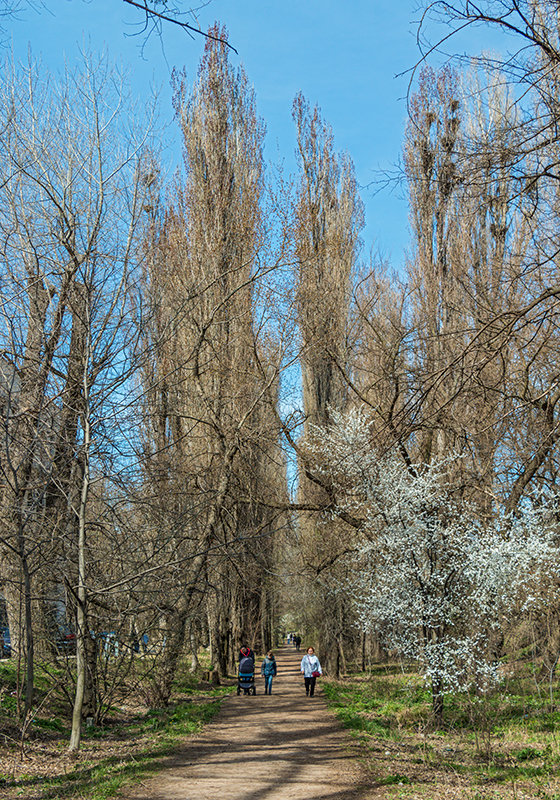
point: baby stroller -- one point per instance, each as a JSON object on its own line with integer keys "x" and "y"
{"x": 246, "y": 676}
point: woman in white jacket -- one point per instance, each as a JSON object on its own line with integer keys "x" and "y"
{"x": 311, "y": 669}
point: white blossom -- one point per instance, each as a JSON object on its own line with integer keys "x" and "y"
{"x": 428, "y": 575}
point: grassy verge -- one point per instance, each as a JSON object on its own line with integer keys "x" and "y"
{"x": 503, "y": 746}
{"x": 159, "y": 731}
{"x": 131, "y": 744}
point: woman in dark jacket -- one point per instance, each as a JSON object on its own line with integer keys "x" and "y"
{"x": 246, "y": 652}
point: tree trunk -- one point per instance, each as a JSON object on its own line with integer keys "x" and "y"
{"x": 217, "y": 636}
{"x": 437, "y": 701}
{"x": 175, "y": 639}
{"x": 91, "y": 707}
{"x": 194, "y": 648}
{"x": 81, "y": 616}
{"x": 29, "y": 646}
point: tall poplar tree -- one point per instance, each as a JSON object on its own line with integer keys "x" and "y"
{"x": 328, "y": 219}
{"x": 213, "y": 437}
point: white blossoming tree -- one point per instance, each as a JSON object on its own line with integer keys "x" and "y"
{"x": 429, "y": 575}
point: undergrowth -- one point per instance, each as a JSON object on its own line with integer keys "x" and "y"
{"x": 162, "y": 730}
{"x": 129, "y": 745}
{"x": 506, "y": 742}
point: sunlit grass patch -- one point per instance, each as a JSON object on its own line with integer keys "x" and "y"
{"x": 503, "y": 740}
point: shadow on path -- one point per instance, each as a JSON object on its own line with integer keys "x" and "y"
{"x": 283, "y": 746}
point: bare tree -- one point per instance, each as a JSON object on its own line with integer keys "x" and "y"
{"x": 207, "y": 389}
{"x": 328, "y": 219}
{"x": 70, "y": 211}
{"x": 503, "y": 249}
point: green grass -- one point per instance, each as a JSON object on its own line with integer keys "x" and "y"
{"x": 375, "y": 706}
{"x": 395, "y": 779}
{"x": 496, "y": 741}
{"x": 54, "y": 724}
{"x": 164, "y": 728}
{"x": 8, "y": 672}
{"x": 101, "y": 776}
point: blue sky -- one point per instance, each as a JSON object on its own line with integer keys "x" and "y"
{"x": 343, "y": 56}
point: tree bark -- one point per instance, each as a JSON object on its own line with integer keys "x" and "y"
{"x": 81, "y": 594}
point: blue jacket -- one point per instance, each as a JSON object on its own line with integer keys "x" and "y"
{"x": 268, "y": 667}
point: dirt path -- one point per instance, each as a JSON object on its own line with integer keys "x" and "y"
{"x": 283, "y": 746}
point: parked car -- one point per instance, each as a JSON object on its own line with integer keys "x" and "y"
{"x": 65, "y": 640}
{"x": 5, "y": 641}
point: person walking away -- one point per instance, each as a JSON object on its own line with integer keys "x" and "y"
{"x": 311, "y": 669}
{"x": 297, "y": 641}
{"x": 268, "y": 671}
{"x": 246, "y": 652}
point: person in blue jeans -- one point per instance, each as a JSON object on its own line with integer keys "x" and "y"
{"x": 268, "y": 671}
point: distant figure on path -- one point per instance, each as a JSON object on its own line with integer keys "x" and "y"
{"x": 268, "y": 671}
{"x": 311, "y": 669}
{"x": 297, "y": 641}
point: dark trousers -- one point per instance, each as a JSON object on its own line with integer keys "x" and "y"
{"x": 310, "y": 686}
{"x": 268, "y": 684}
